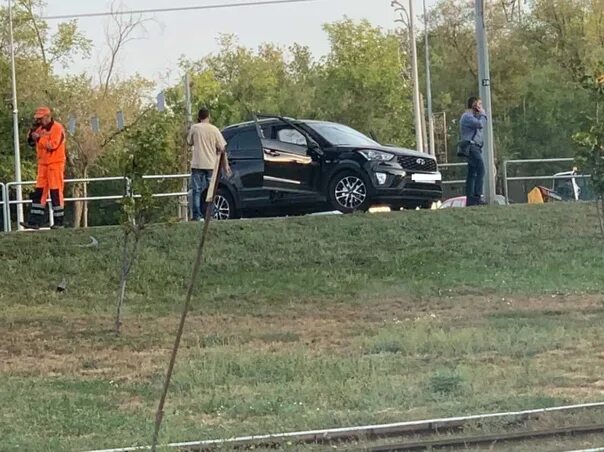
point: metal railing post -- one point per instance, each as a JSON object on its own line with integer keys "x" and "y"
{"x": 9, "y": 221}
{"x": 5, "y": 219}
{"x": 506, "y": 190}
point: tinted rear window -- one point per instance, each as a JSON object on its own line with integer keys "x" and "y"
{"x": 245, "y": 144}
{"x": 243, "y": 141}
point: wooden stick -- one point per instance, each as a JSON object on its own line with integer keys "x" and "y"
{"x": 192, "y": 285}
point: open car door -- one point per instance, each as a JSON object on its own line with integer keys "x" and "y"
{"x": 290, "y": 156}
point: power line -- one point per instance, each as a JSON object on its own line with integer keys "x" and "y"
{"x": 183, "y": 8}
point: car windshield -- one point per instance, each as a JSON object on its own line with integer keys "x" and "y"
{"x": 340, "y": 135}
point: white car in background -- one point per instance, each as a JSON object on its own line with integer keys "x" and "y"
{"x": 570, "y": 187}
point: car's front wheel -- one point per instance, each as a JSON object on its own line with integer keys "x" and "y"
{"x": 349, "y": 192}
{"x": 224, "y": 206}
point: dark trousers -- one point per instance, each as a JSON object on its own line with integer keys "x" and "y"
{"x": 475, "y": 178}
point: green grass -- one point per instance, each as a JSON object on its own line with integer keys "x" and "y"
{"x": 275, "y": 264}
{"x": 301, "y": 323}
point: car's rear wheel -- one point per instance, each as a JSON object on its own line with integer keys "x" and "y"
{"x": 224, "y": 206}
{"x": 349, "y": 192}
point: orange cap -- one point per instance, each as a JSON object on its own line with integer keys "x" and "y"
{"x": 41, "y": 112}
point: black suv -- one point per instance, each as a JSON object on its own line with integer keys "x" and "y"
{"x": 283, "y": 165}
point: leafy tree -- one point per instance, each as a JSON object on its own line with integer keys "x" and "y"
{"x": 590, "y": 156}
{"x": 347, "y": 85}
{"x": 237, "y": 81}
{"x": 146, "y": 147}
{"x": 360, "y": 82}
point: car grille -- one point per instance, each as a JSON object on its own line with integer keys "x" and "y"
{"x": 417, "y": 163}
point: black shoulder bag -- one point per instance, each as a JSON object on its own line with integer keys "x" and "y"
{"x": 463, "y": 146}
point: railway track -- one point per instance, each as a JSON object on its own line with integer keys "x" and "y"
{"x": 431, "y": 434}
{"x": 491, "y": 439}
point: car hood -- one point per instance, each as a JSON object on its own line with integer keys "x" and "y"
{"x": 404, "y": 151}
{"x": 392, "y": 149}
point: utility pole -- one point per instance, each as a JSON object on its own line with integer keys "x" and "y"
{"x": 484, "y": 85}
{"x": 408, "y": 19}
{"x": 416, "y": 99}
{"x": 424, "y": 127}
{"x": 15, "y": 119}
{"x": 429, "y": 84}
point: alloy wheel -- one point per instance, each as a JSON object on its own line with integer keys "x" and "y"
{"x": 351, "y": 192}
{"x": 222, "y": 208}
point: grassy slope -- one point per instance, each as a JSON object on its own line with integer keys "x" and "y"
{"x": 301, "y": 323}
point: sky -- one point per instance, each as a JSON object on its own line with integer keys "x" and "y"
{"x": 193, "y": 33}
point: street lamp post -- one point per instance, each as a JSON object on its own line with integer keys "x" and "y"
{"x": 484, "y": 85}
{"x": 432, "y": 147}
{"x": 407, "y": 18}
{"x": 15, "y": 118}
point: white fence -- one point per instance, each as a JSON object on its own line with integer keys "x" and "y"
{"x": 5, "y": 208}
{"x": 7, "y": 202}
{"x": 453, "y": 165}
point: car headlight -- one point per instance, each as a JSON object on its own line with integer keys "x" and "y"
{"x": 377, "y": 155}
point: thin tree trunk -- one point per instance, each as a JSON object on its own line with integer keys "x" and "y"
{"x": 123, "y": 282}
{"x": 600, "y": 208}
{"x": 78, "y": 206}
{"x": 128, "y": 258}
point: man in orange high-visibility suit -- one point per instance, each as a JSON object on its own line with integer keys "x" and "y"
{"x": 48, "y": 137}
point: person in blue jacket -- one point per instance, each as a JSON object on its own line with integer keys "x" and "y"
{"x": 472, "y": 124}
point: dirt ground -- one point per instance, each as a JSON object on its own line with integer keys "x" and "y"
{"x": 60, "y": 344}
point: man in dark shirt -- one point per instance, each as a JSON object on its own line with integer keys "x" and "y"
{"x": 472, "y": 125}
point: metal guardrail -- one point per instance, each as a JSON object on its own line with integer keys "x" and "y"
{"x": 5, "y": 189}
{"x": 7, "y": 202}
{"x": 453, "y": 165}
{"x": 507, "y": 179}
{"x": 167, "y": 177}
{"x": 8, "y": 220}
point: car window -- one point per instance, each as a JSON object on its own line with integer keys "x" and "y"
{"x": 267, "y": 131}
{"x": 340, "y": 135}
{"x": 249, "y": 140}
{"x": 243, "y": 141}
{"x": 289, "y": 135}
{"x": 233, "y": 143}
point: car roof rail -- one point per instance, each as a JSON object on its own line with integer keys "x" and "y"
{"x": 260, "y": 115}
